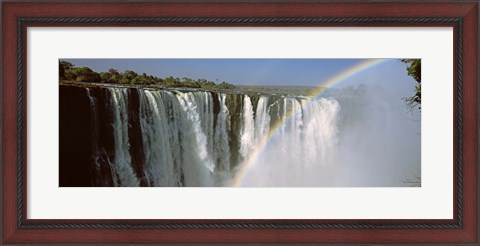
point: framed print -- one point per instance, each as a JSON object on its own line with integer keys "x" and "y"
{"x": 258, "y": 122}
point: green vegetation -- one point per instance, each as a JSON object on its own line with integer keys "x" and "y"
{"x": 70, "y": 73}
{"x": 64, "y": 66}
{"x": 414, "y": 69}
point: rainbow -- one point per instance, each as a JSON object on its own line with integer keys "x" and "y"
{"x": 263, "y": 141}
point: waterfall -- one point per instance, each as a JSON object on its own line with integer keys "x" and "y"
{"x": 248, "y": 130}
{"x": 94, "y": 122}
{"x": 157, "y": 144}
{"x": 303, "y": 149}
{"x": 221, "y": 144}
{"x": 123, "y": 170}
{"x": 199, "y": 138}
{"x": 262, "y": 119}
{"x": 139, "y": 136}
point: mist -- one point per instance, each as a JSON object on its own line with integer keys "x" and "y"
{"x": 362, "y": 136}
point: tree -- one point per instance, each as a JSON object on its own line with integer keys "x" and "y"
{"x": 104, "y": 77}
{"x": 225, "y": 85}
{"x": 414, "y": 69}
{"x": 64, "y": 66}
{"x": 82, "y": 74}
{"x": 128, "y": 76}
{"x": 85, "y": 74}
{"x": 205, "y": 84}
{"x": 171, "y": 81}
{"x": 69, "y": 72}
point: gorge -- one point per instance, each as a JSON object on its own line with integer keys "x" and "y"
{"x": 113, "y": 135}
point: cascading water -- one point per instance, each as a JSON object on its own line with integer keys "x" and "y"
{"x": 262, "y": 119}
{"x": 163, "y": 137}
{"x": 157, "y": 142}
{"x": 221, "y": 146}
{"x": 248, "y": 130}
{"x": 122, "y": 167}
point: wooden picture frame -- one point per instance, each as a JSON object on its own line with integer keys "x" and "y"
{"x": 18, "y": 16}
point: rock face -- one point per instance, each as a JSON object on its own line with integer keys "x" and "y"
{"x": 91, "y": 138}
{"x": 75, "y": 138}
{"x": 122, "y": 136}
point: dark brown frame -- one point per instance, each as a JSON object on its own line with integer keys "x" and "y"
{"x": 462, "y": 16}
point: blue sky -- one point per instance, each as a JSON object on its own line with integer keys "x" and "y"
{"x": 307, "y": 72}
